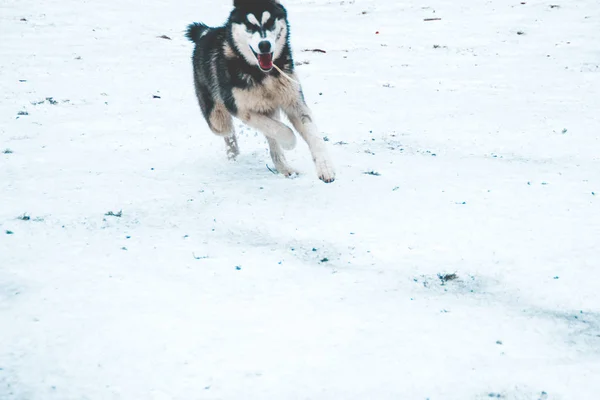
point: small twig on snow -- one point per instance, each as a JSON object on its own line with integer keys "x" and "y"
{"x": 274, "y": 172}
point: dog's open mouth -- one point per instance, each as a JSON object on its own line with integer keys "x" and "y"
{"x": 265, "y": 61}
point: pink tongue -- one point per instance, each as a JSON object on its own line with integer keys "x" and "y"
{"x": 265, "y": 61}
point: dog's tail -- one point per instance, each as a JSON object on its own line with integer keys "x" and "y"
{"x": 195, "y": 31}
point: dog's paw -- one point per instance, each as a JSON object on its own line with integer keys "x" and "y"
{"x": 232, "y": 155}
{"x": 284, "y": 169}
{"x": 325, "y": 170}
{"x": 288, "y": 171}
{"x": 232, "y": 148}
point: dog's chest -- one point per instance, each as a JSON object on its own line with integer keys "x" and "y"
{"x": 271, "y": 94}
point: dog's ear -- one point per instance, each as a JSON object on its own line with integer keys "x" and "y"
{"x": 240, "y": 3}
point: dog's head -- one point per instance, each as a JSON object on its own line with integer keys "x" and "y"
{"x": 259, "y": 31}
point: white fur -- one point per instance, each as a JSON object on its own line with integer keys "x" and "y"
{"x": 242, "y": 39}
{"x": 301, "y": 117}
{"x": 265, "y": 17}
{"x": 278, "y": 37}
{"x": 275, "y": 37}
{"x": 252, "y": 19}
{"x": 256, "y": 39}
{"x": 246, "y": 40}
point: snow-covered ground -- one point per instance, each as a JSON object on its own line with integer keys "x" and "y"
{"x": 467, "y": 145}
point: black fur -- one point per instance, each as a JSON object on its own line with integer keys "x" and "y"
{"x": 254, "y": 4}
{"x": 195, "y": 31}
{"x": 215, "y": 73}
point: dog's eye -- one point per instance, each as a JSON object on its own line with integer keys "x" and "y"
{"x": 270, "y": 24}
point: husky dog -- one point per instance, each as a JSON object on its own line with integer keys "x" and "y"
{"x": 245, "y": 69}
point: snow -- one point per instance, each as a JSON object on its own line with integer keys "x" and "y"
{"x": 221, "y": 280}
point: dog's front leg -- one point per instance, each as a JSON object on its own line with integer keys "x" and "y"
{"x": 271, "y": 128}
{"x": 301, "y": 117}
{"x": 279, "y": 159}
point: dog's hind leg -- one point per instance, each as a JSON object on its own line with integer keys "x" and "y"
{"x": 301, "y": 117}
{"x": 218, "y": 118}
{"x": 221, "y": 123}
{"x": 231, "y": 145}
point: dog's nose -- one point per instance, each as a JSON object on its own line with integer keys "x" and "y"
{"x": 264, "y": 46}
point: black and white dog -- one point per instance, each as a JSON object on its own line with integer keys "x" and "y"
{"x": 245, "y": 69}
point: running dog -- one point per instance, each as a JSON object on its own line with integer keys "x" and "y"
{"x": 244, "y": 69}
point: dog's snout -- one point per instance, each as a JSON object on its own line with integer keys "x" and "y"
{"x": 264, "y": 46}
